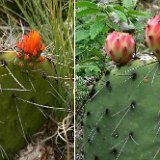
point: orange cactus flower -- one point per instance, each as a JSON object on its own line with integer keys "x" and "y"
{"x": 31, "y": 43}
{"x": 31, "y": 49}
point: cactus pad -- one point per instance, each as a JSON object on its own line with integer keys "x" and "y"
{"x": 122, "y": 119}
{"x": 26, "y": 98}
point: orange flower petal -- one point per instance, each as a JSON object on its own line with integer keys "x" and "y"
{"x": 34, "y": 53}
{"x": 19, "y": 45}
{"x": 31, "y": 44}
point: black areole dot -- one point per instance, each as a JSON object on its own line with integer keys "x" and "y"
{"x": 114, "y": 151}
{"x": 89, "y": 140}
{"x": 44, "y": 75}
{"x": 115, "y": 134}
{"x": 4, "y": 63}
{"x": 88, "y": 113}
{"x": 107, "y": 72}
{"x": 96, "y": 158}
{"x": 93, "y": 91}
{"x": 131, "y": 134}
{"x": 107, "y": 83}
{"x": 134, "y": 76}
{"x": 14, "y": 95}
{"x": 133, "y": 105}
{"x": 98, "y": 130}
{"x": 106, "y": 111}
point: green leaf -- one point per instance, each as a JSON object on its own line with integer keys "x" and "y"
{"x": 119, "y": 11}
{"x": 106, "y": 29}
{"x": 86, "y": 4}
{"x": 128, "y": 4}
{"x": 121, "y": 15}
{"x": 87, "y": 11}
{"x": 110, "y": 8}
{"x": 79, "y": 51}
{"x": 96, "y": 28}
{"x": 96, "y": 53}
{"x": 138, "y": 25}
{"x": 120, "y": 8}
{"x": 89, "y": 60}
{"x": 113, "y": 26}
{"x": 92, "y": 70}
{"x": 101, "y": 17}
{"x": 138, "y": 13}
{"x": 81, "y": 34}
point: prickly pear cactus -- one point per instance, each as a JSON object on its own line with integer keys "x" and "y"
{"x": 122, "y": 119}
{"x": 26, "y": 98}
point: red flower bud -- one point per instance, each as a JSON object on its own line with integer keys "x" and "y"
{"x": 18, "y": 55}
{"x": 26, "y": 57}
{"x": 21, "y": 65}
{"x": 41, "y": 58}
{"x": 120, "y": 47}
{"x": 31, "y": 64}
{"x": 152, "y": 35}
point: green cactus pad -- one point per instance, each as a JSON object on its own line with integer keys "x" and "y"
{"x": 26, "y": 98}
{"x": 122, "y": 119}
